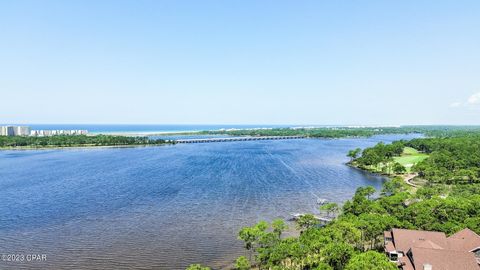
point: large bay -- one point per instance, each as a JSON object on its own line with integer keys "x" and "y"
{"x": 163, "y": 207}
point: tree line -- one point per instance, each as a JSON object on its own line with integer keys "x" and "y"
{"x": 340, "y": 132}
{"x": 76, "y": 140}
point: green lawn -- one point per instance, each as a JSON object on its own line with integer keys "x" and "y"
{"x": 410, "y": 157}
{"x": 410, "y": 151}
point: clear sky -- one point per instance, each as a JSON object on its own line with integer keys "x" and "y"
{"x": 240, "y": 62}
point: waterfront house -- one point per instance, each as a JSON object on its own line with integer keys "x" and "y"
{"x": 427, "y": 250}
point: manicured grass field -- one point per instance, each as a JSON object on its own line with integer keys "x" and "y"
{"x": 410, "y": 157}
{"x": 410, "y": 151}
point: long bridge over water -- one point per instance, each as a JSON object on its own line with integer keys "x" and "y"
{"x": 235, "y": 139}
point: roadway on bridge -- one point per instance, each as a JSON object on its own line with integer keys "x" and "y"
{"x": 234, "y": 139}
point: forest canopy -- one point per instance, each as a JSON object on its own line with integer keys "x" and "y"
{"x": 454, "y": 159}
{"x": 448, "y": 202}
{"x": 75, "y": 140}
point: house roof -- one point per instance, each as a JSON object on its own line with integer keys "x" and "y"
{"x": 389, "y": 247}
{"x": 406, "y": 239}
{"x": 427, "y": 244}
{"x": 443, "y": 259}
{"x": 464, "y": 240}
{"x": 405, "y": 263}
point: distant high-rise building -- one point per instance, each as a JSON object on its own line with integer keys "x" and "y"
{"x": 21, "y": 131}
{"x": 27, "y": 131}
{"x": 7, "y": 131}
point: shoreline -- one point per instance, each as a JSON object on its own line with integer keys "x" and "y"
{"x": 406, "y": 177}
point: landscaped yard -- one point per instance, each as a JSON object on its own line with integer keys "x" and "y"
{"x": 410, "y": 157}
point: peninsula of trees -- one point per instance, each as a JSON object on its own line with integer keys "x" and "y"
{"x": 340, "y": 132}
{"x": 448, "y": 160}
{"x": 76, "y": 141}
{"x": 447, "y": 200}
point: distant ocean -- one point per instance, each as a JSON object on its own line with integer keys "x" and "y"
{"x": 106, "y": 128}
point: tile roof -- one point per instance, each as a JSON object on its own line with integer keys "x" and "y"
{"x": 406, "y": 239}
{"x": 405, "y": 263}
{"x": 434, "y": 248}
{"x": 464, "y": 240}
{"x": 427, "y": 244}
{"x": 389, "y": 247}
{"x": 443, "y": 259}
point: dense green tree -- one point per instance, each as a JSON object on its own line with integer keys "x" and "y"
{"x": 251, "y": 236}
{"x": 373, "y": 225}
{"x": 338, "y": 132}
{"x": 361, "y": 202}
{"x": 399, "y": 168}
{"x": 323, "y": 266}
{"x": 197, "y": 267}
{"x": 442, "y": 214}
{"x": 306, "y": 221}
{"x": 393, "y": 186}
{"x": 337, "y": 254}
{"x": 353, "y": 154}
{"x": 330, "y": 208}
{"x": 346, "y": 230}
{"x": 248, "y": 235}
{"x": 76, "y": 140}
{"x": 473, "y": 223}
{"x": 242, "y": 263}
{"x": 370, "y": 260}
{"x": 430, "y": 191}
{"x": 454, "y": 159}
{"x": 278, "y": 226}
{"x": 366, "y": 191}
{"x": 394, "y": 204}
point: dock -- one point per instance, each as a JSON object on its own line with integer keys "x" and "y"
{"x": 321, "y": 201}
{"x": 324, "y": 220}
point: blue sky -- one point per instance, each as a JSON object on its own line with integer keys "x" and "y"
{"x": 240, "y": 62}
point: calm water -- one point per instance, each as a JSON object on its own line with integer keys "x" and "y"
{"x": 162, "y": 207}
